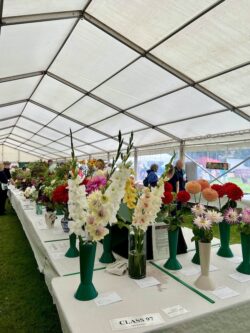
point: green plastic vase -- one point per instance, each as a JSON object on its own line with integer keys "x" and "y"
{"x": 86, "y": 290}
{"x": 224, "y": 250}
{"x": 72, "y": 251}
{"x": 244, "y": 267}
{"x": 172, "y": 263}
{"x": 196, "y": 257}
{"x": 107, "y": 256}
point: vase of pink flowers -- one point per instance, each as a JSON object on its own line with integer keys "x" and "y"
{"x": 204, "y": 220}
{"x": 244, "y": 227}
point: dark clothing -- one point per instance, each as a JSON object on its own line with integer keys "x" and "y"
{"x": 151, "y": 179}
{"x": 179, "y": 174}
{"x": 3, "y": 193}
{"x": 7, "y": 173}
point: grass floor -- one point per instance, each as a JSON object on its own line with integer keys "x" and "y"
{"x": 25, "y": 303}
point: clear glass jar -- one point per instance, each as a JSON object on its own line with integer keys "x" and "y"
{"x": 137, "y": 254}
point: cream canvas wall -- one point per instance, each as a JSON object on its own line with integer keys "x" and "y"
{"x": 13, "y": 155}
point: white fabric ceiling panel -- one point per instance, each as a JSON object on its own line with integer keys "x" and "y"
{"x": 13, "y": 142}
{"x": 215, "y": 42}
{"x": 49, "y": 150}
{"x": 68, "y": 153}
{"x": 22, "y": 133}
{"x": 34, "y": 144}
{"x": 234, "y": 87}
{"x": 5, "y": 131}
{"x": 87, "y": 135}
{"x": 8, "y": 123}
{"x": 38, "y": 113}
{"x": 90, "y": 56}
{"x": 246, "y": 110}
{"x": 214, "y": 124}
{"x": 17, "y": 138}
{"x": 137, "y": 83}
{"x": 11, "y": 110}
{"x": 27, "y": 48}
{"x": 29, "y": 7}
{"x": 50, "y": 134}
{"x": 28, "y": 124}
{"x": 64, "y": 125}
{"x": 121, "y": 122}
{"x": 145, "y": 137}
{"x": 184, "y": 103}
{"x": 146, "y": 22}
{"x": 107, "y": 145}
{"x": 40, "y": 140}
{"x": 16, "y": 90}
{"x": 89, "y": 111}
{"x": 27, "y": 146}
{"x": 65, "y": 141}
{"x": 89, "y": 149}
{"x": 57, "y": 146}
{"x": 55, "y": 94}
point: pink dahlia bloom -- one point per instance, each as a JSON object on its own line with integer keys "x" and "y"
{"x": 231, "y": 216}
{"x": 95, "y": 184}
{"x": 246, "y": 215}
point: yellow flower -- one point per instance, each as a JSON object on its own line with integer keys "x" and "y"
{"x": 130, "y": 196}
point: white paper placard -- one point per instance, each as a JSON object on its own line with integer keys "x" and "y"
{"x": 160, "y": 241}
{"x": 240, "y": 277}
{"x": 41, "y": 225}
{"x": 57, "y": 255}
{"x": 149, "y": 281}
{"x": 136, "y": 321}
{"x": 175, "y": 311}
{"x": 107, "y": 298}
{"x": 225, "y": 292}
{"x": 235, "y": 260}
{"x": 60, "y": 246}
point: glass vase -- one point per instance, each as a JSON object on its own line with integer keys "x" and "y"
{"x": 65, "y": 221}
{"x": 137, "y": 254}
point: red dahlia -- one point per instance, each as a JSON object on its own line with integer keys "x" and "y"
{"x": 219, "y": 189}
{"x": 60, "y": 194}
{"x": 234, "y": 193}
{"x": 168, "y": 187}
{"x": 183, "y": 196}
{"x": 167, "y": 198}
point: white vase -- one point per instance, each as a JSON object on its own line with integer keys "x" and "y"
{"x": 50, "y": 218}
{"x": 204, "y": 281}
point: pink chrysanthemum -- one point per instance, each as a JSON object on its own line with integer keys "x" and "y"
{"x": 231, "y": 216}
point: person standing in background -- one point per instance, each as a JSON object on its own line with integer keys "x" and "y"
{"x": 3, "y": 189}
{"x": 6, "y": 170}
{"x": 179, "y": 175}
{"x": 152, "y": 178}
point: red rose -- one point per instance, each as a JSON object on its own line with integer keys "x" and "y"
{"x": 219, "y": 189}
{"x": 168, "y": 187}
{"x": 168, "y": 198}
{"x": 183, "y": 196}
{"x": 60, "y": 194}
{"x": 234, "y": 193}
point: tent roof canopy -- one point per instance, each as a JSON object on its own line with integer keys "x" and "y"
{"x": 171, "y": 71}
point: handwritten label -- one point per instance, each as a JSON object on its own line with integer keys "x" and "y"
{"x": 136, "y": 321}
{"x": 107, "y": 298}
{"x": 147, "y": 282}
{"x": 175, "y": 311}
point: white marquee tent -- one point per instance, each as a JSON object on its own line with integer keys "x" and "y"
{"x": 173, "y": 71}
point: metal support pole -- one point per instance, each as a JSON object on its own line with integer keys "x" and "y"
{"x": 135, "y": 161}
{"x": 182, "y": 151}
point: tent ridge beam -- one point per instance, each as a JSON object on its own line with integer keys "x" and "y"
{"x": 21, "y": 76}
{"x": 13, "y": 20}
{"x": 13, "y": 103}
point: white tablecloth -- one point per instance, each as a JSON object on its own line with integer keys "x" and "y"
{"x": 48, "y": 245}
{"x": 228, "y": 315}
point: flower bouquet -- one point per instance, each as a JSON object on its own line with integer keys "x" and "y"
{"x": 173, "y": 215}
{"x": 94, "y": 213}
{"x": 204, "y": 220}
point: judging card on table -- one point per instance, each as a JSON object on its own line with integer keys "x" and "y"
{"x": 225, "y": 292}
{"x": 188, "y": 271}
{"x": 149, "y": 281}
{"x": 136, "y": 321}
{"x": 107, "y": 298}
{"x": 175, "y": 311}
{"x": 240, "y": 277}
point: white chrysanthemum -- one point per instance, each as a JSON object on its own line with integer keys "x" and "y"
{"x": 214, "y": 216}
{"x": 198, "y": 209}
{"x": 203, "y": 223}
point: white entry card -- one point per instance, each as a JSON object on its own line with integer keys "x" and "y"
{"x": 240, "y": 277}
{"x": 225, "y": 292}
{"x": 175, "y": 311}
{"x": 149, "y": 281}
{"x": 136, "y": 321}
{"x": 107, "y": 298}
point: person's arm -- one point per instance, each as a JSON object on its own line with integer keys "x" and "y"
{"x": 177, "y": 186}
